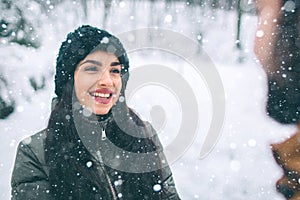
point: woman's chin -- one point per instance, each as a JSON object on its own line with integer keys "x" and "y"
{"x": 103, "y": 111}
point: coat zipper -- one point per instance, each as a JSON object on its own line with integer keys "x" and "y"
{"x": 103, "y": 134}
{"x": 113, "y": 192}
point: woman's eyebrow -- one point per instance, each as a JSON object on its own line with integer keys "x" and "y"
{"x": 115, "y": 64}
{"x": 93, "y": 62}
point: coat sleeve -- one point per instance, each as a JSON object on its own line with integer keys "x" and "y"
{"x": 169, "y": 189}
{"x": 29, "y": 179}
{"x": 168, "y": 185}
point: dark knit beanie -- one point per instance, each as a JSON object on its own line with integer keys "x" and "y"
{"x": 78, "y": 44}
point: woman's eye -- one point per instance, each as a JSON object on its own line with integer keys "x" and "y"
{"x": 91, "y": 69}
{"x": 115, "y": 71}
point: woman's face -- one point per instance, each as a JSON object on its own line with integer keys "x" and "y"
{"x": 97, "y": 81}
{"x": 268, "y": 17}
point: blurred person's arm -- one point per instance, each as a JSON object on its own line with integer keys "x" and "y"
{"x": 287, "y": 156}
{"x": 274, "y": 45}
{"x": 168, "y": 184}
{"x": 268, "y": 17}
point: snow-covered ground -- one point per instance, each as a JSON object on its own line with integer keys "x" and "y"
{"x": 241, "y": 164}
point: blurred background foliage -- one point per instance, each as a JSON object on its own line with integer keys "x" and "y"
{"x": 21, "y": 22}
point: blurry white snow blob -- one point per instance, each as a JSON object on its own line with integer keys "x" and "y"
{"x": 122, "y": 4}
{"x": 12, "y": 143}
{"x": 289, "y": 6}
{"x": 89, "y": 164}
{"x": 121, "y": 98}
{"x": 27, "y": 140}
{"x": 104, "y": 40}
{"x": 20, "y": 108}
{"x": 68, "y": 117}
{"x": 157, "y": 187}
{"x": 168, "y": 18}
{"x": 3, "y": 41}
{"x": 199, "y": 37}
{"x": 118, "y": 182}
{"x": 76, "y": 105}
{"x": 87, "y": 112}
{"x": 260, "y": 33}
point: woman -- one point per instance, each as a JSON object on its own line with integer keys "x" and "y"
{"x": 95, "y": 146}
{"x": 277, "y": 47}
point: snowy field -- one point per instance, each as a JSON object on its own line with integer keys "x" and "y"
{"x": 241, "y": 164}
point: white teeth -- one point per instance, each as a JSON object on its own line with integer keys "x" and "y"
{"x": 101, "y": 95}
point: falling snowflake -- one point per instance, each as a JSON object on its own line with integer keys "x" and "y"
{"x": 105, "y": 40}
{"x": 260, "y": 33}
{"x": 157, "y": 187}
{"x": 89, "y": 164}
{"x": 120, "y": 195}
{"x": 168, "y": 19}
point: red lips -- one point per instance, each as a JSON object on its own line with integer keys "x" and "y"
{"x": 102, "y": 95}
{"x": 103, "y": 91}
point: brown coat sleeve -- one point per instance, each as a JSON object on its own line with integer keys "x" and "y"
{"x": 287, "y": 156}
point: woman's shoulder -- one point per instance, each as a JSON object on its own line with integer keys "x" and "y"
{"x": 30, "y": 173}
{"x": 36, "y": 140}
{"x": 34, "y": 145}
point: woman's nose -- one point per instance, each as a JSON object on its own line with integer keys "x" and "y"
{"x": 105, "y": 78}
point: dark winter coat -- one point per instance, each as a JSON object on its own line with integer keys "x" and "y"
{"x": 30, "y": 178}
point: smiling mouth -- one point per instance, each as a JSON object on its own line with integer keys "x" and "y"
{"x": 101, "y": 95}
{"x": 102, "y": 98}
